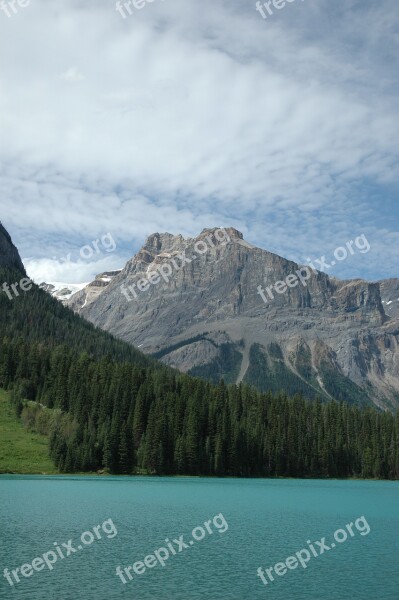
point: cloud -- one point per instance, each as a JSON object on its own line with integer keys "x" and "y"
{"x": 185, "y": 115}
{"x": 68, "y": 271}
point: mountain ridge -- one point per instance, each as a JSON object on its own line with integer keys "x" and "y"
{"x": 335, "y": 337}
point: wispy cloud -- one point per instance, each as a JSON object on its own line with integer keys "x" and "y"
{"x": 192, "y": 115}
{"x": 72, "y": 271}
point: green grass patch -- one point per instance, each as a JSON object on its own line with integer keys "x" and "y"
{"x": 21, "y": 451}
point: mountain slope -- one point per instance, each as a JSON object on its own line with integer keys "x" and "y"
{"x": 333, "y": 338}
{"x": 106, "y": 406}
{"x": 9, "y": 256}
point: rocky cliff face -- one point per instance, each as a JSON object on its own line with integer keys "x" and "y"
{"x": 196, "y": 305}
{"x": 9, "y": 256}
{"x": 390, "y": 296}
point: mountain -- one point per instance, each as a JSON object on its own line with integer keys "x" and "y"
{"x": 62, "y": 291}
{"x": 323, "y": 337}
{"x": 104, "y": 406}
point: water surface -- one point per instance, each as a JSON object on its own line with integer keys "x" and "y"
{"x": 268, "y": 521}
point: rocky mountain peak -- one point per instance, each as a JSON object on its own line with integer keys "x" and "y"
{"x": 157, "y": 243}
{"x": 233, "y": 233}
{"x": 162, "y": 242}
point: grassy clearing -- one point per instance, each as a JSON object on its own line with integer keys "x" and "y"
{"x": 21, "y": 451}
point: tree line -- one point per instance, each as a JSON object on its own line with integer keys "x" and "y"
{"x": 106, "y": 406}
{"x": 123, "y": 418}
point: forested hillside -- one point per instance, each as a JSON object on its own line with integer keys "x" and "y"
{"x": 107, "y": 406}
{"x": 35, "y": 316}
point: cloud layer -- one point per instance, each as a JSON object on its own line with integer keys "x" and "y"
{"x": 189, "y": 115}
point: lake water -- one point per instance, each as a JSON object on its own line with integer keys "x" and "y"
{"x": 268, "y": 521}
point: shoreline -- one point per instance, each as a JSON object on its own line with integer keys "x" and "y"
{"x": 149, "y": 476}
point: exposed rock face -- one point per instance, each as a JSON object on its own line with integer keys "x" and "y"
{"x": 9, "y": 256}
{"x": 91, "y": 291}
{"x": 390, "y": 296}
{"x": 323, "y": 337}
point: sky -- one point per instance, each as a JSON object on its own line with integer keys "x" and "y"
{"x": 189, "y": 115}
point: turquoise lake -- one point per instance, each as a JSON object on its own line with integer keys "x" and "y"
{"x": 258, "y": 523}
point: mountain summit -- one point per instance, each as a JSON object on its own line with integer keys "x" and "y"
{"x": 197, "y": 304}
